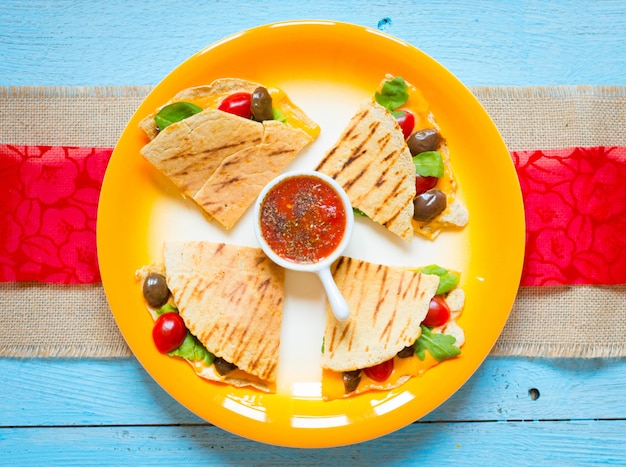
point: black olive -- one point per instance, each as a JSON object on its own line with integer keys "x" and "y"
{"x": 155, "y": 290}
{"x": 222, "y": 366}
{"x": 429, "y": 205}
{"x": 423, "y": 140}
{"x": 407, "y": 352}
{"x": 351, "y": 380}
{"x": 261, "y": 104}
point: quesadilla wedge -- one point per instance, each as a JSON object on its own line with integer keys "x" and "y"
{"x": 216, "y": 153}
{"x": 415, "y": 192}
{"x": 373, "y": 165}
{"x": 230, "y": 299}
{"x": 385, "y": 341}
{"x": 436, "y": 206}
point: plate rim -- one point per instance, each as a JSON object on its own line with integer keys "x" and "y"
{"x": 371, "y": 429}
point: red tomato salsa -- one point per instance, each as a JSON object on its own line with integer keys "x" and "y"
{"x": 302, "y": 219}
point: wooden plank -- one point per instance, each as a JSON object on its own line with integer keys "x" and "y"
{"x": 480, "y": 444}
{"x": 38, "y": 393}
{"x": 483, "y": 43}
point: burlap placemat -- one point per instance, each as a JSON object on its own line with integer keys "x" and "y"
{"x": 45, "y": 320}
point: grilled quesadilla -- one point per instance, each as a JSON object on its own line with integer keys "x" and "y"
{"x": 395, "y": 165}
{"x": 372, "y": 162}
{"x": 230, "y": 299}
{"x": 220, "y": 146}
{"x": 385, "y": 342}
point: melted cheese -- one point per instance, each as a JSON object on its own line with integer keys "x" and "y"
{"x": 280, "y": 101}
{"x": 237, "y": 377}
{"x": 403, "y": 369}
{"x": 447, "y": 184}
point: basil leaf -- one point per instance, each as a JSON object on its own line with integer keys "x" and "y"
{"x": 393, "y": 93}
{"x": 428, "y": 164}
{"x": 448, "y": 280}
{"x": 175, "y": 112}
{"x": 192, "y": 349}
{"x": 440, "y": 346}
{"x": 278, "y": 115}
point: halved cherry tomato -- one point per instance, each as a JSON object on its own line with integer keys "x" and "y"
{"x": 169, "y": 332}
{"x": 380, "y": 372}
{"x": 423, "y": 184}
{"x": 438, "y": 312}
{"x": 237, "y": 104}
{"x": 406, "y": 120}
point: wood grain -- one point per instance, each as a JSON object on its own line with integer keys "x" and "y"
{"x": 483, "y": 43}
{"x": 472, "y": 444}
{"x": 119, "y": 392}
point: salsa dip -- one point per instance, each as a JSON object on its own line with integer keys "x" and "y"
{"x": 303, "y": 222}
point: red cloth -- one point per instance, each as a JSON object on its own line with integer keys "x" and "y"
{"x": 48, "y": 205}
{"x": 575, "y": 202}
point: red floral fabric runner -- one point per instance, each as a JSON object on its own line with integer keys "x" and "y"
{"x": 48, "y": 205}
{"x": 575, "y": 202}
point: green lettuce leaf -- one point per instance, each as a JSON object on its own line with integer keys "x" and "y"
{"x": 192, "y": 349}
{"x": 358, "y": 212}
{"x": 278, "y": 115}
{"x": 175, "y": 112}
{"x": 428, "y": 164}
{"x": 440, "y": 346}
{"x": 393, "y": 94}
{"x": 167, "y": 308}
{"x": 448, "y": 280}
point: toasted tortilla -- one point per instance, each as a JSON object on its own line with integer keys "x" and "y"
{"x": 373, "y": 164}
{"x": 221, "y": 160}
{"x": 387, "y": 305}
{"x": 231, "y": 298}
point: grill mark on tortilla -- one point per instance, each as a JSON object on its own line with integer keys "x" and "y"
{"x": 348, "y": 184}
{"x": 381, "y": 296}
{"x": 397, "y": 191}
{"x": 358, "y": 151}
{"x": 413, "y": 287}
{"x": 347, "y": 329}
{"x": 356, "y": 121}
{"x": 383, "y": 143}
{"x": 331, "y": 344}
{"x": 255, "y": 364}
{"x": 382, "y": 179}
{"x": 237, "y": 293}
{"x": 387, "y": 329}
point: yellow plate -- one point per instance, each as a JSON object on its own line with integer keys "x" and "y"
{"x": 327, "y": 68}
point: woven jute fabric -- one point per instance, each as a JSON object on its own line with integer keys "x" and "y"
{"x": 49, "y": 320}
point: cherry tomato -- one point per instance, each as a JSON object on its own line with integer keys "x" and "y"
{"x": 423, "y": 184}
{"x": 169, "y": 332}
{"x": 438, "y": 312}
{"x": 238, "y": 104}
{"x": 407, "y": 122}
{"x": 380, "y": 372}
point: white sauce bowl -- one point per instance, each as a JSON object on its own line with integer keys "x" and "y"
{"x": 322, "y": 267}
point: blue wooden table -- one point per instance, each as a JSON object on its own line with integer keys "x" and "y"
{"x": 513, "y": 411}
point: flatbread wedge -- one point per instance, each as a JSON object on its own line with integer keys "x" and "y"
{"x": 374, "y": 166}
{"x": 221, "y": 160}
{"x": 230, "y": 298}
{"x": 387, "y": 306}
